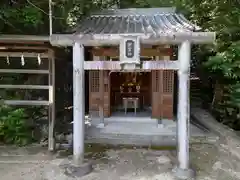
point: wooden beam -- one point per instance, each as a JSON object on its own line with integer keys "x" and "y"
{"x": 113, "y": 52}
{"x": 114, "y": 39}
{"x": 14, "y": 47}
{"x": 24, "y": 39}
{"x": 24, "y": 71}
{"x": 22, "y": 42}
{"x": 26, "y": 102}
{"x": 146, "y": 65}
{"x": 25, "y": 54}
{"x": 10, "y": 86}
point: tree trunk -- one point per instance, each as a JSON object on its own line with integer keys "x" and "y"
{"x": 218, "y": 94}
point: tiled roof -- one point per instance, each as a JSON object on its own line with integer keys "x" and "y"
{"x": 153, "y": 21}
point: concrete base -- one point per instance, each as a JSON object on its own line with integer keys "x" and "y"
{"x": 160, "y": 125}
{"x": 140, "y": 134}
{"x": 101, "y": 125}
{"x": 74, "y": 171}
{"x": 184, "y": 174}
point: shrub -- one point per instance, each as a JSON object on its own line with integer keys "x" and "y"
{"x": 14, "y": 128}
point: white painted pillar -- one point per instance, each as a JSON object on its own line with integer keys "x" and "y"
{"x": 183, "y": 105}
{"x": 78, "y": 103}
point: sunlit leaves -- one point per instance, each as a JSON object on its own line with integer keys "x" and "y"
{"x": 228, "y": 62}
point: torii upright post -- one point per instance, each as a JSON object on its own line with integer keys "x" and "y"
{"x": 81, "y": 167}
{"x": 183, "y": 171}
{"x": 78, "y": 103}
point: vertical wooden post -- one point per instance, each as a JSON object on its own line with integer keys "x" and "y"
{"x": 51, "y": 111}
{"x": 101, "y": 106}
{"x": 160, "y": 72}
{"x": 101, "y": 93}
{"x": 183, "y": 171}
{"x": 155, "y": 94}
{"x": 78, "y": 104}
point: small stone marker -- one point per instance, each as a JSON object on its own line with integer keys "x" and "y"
{"x": 163, "y": 160}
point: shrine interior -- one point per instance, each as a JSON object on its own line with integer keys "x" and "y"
{"x": 139, "y": 93}
{"x": 130, "y": 85}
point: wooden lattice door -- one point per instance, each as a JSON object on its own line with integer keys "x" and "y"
{"x": 99, "y": 80}
{"x": 162, "y": 94}
{"x": 167, "y": 94}
{"x": 156, "y": 94}
{"x": 106, "y": 92}
{"x": 94, "y": 92}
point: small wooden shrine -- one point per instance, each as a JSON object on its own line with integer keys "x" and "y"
{"x": 120, "y": 41}
{"x": 153, "y": 88}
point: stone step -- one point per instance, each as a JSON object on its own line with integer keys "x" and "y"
{"x": 161, "y": 141}
{"x": 119, "y": 136}
{"x": 136, "y": 137}
{"x": 120, "y": 141}
{"x": 150, "y": 141}
{"x": 130, "y": 139}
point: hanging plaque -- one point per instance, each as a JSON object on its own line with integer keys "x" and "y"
{"x": 129, "y": 49}
{"x": 130, "y": 52}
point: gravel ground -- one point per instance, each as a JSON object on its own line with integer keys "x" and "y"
{"x": 210, "y": 162}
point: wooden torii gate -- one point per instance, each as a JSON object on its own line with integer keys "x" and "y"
{"x": 23, "y": 47}
{"x": 127, "y": 29}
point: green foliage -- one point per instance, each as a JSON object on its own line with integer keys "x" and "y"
{"x": 227, "y": 62}
{"x": 32, "y": 16}
{"x": 14, "y": 128}
{"x": 226, "y": 65}
{"x": 235, "y": 94}
{"x": 223, "y": 65}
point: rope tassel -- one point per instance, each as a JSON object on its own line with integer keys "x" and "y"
{"x": 22, "y": 60}
{"x": 39, "y": 59}
{"x": 8, "y": 62}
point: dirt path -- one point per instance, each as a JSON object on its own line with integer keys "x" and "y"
{"x": 123, "y": 164}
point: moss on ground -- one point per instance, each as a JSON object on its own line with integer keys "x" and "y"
{"x": 97, "y": 151}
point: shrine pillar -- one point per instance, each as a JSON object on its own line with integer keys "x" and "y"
{"x": 78, "y": 103}
{"x": 183, "y": 116}
{"x": 80, "y": 167}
